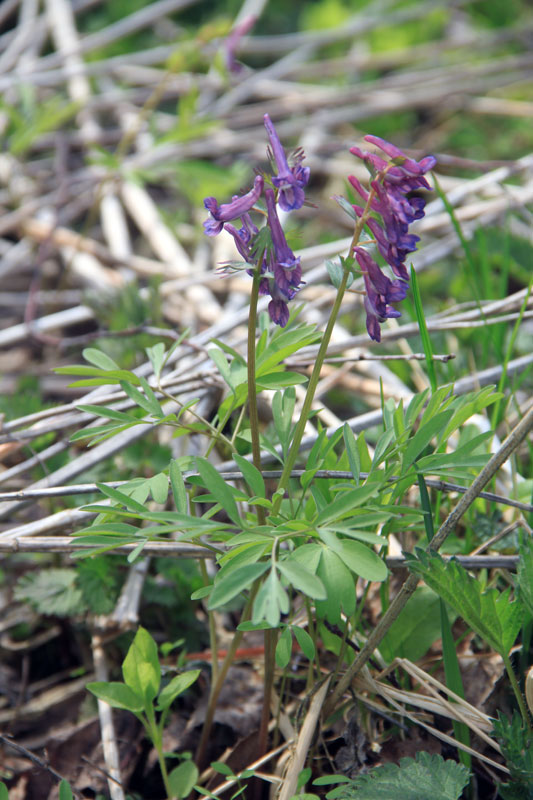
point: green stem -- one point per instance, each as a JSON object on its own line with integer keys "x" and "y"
{"x": 252, "y": 390}
{"x": 315, "y": 375}
{"x": 518, "y": 694}
{"x": 212, "y": 627}
{"x": 217, "y": 686}
{"x": 157, "y": 738}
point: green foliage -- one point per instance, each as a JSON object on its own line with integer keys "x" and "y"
{"x": 524, "y": 575}
{"x": 413, "y": 779}
{"x": 489, "y": 613}
{"x": 516, "y": 743}
{"x": 416, "y": 629}
{"x": 51, "y": 591}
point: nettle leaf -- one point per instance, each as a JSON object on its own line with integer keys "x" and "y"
{"x": 413, "y": 779}
{"x": 234, "y": 583}
{"x": 489, "y": 614}
{"x": 141, "y": 669}
{"x": 525, "y": 574}
{"x": 52, "y": 591}
{"x": 177, "y": 686}
{"x": 117, "y": 695}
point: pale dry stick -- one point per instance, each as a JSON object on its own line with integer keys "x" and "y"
{"x": 24, "y": 33}
{"x": 24, "y": 330}
{"x": 259, "y": 763}
{"x": 126, "y": 612}
{"x": 107, "y": 728}
{"x": 329, "y": 474}
{"x": 65, "y": 37}
{"x": 303, "y": 744}
{"x": 509, "y": 445}
{"x": 134, "y": 22}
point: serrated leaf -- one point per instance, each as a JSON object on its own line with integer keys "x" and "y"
{"x": 489, "y": 614}
{"x": 177, "y": 686}
{"x": 524, "y": 574}
{"x": 52, "y": 591}
{"x": 427, "y": 776}
{"x": 284, "y": 649}
{"x": 117, "y": 695}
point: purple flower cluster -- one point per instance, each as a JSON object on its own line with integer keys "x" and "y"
{"x": 391, "y": 199}
{"x": 281, "y": 273}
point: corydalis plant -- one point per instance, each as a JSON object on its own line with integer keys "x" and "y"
{"x": 280, "y": 269}
{"x": 391, "y": 198}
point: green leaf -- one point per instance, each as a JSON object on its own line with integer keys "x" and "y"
{"x": 357, "y": 557}
{"x": 122, "y": 498}
{"x": 284, "y": 649}
{"x": 222, "y": 365}
{"x": 234, "y": 583}
{"x": 345, "y": 502}
{"x": 352, "y": 452}
{"x": 183, "y": 778}
{"x": 416, "y": 629}
{"x": 251, "y": 475}
{"x": 99, "y": 359}
{"x": 302, "y": 580}
{"x": 65, "y": 792}
{"x": 525, "y": 574}
{"x": 339, "y": 585}
{"x": 4, "y": 794}
{"x": 335, "y": 272}
{"x": 156, "y": 354}
{"x": 489, "y": 614}
{"x": 108, "y": 413}
{"x": 307, "y": 646}
{"x": 141, "y": 668}
{"x": 427, "y": 776}
{"x": 424, "y": 334}
{"x": 423, "y": 436}
{"x": 177, "y": 686}
{"x": 117, "y": 695}
{"x": 178, "y": 487}
{"x": 144, "y": 402}
{"x": 278, "y": 380}
{"x": 271, "y": 601}
{"x": 159, "y": 487}
{"x": 100, "y": 377}
{"x": 213, "y": 481}
{"x": 52, "y": 591}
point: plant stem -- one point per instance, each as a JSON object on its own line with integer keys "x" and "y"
{"x": 517, "y": 693}
{"x": 315, "y": 375}
{"x": 212, "y": 628}
{"x": 509, "y": 445}
{"x": 217, "y": 686}
{"x": 252, "y": 389}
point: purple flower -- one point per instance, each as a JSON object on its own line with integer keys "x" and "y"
{"x": 232, "y": 41}
{"x": 229, "y": 211}
{"x": 286, "y": 266}
{"x": 380, "y": 291}
{"x": 289, "y": 180}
